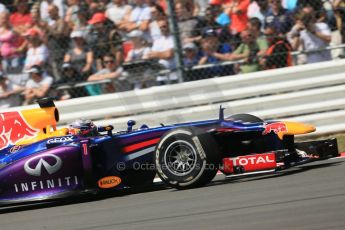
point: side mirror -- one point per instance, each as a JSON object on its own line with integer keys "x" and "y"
{"x": 130, "y": 125}
{"x": 109, "y": 130}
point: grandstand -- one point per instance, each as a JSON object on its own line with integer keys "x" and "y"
{"x": 76, "y": 48}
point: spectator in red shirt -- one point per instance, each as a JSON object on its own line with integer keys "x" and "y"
{"x": 237, "y": 10}
{"x": 163, "y": 4}
{"x": 21, "y": 20}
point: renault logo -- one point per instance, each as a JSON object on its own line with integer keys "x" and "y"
{"x": 50, "y": 162}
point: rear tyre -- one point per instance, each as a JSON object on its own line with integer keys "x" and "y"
{"x": 187, "y": 158}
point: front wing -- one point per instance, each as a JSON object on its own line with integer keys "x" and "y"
{"x": 276, "y": 160}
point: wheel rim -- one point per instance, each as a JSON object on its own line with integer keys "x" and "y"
{"x": 180, "y": 158}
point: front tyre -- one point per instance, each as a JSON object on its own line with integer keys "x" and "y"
{"x": 187, "y": 158}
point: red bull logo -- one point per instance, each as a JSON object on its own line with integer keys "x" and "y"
{"x": 13, "y": 128}
{"x": 275, "y": 127}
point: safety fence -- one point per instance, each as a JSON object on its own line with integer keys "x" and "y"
{"x": 199, "y": 72}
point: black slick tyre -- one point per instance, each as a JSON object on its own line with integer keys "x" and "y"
{"x": 187, "y": 158}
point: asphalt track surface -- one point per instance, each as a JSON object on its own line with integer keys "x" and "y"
{"x": 306, "y": 197}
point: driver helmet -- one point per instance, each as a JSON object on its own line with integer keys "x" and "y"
{"x": 83, "y": 127}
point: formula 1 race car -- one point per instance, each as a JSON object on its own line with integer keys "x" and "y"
{"x": 39, "y": 161}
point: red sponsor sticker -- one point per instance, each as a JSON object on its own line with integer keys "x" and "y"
{"x": 13, "y": 128}
{"x": 255, "y": 162}
{"x": 275, "y": 127}
{"x": 109, "y": 182}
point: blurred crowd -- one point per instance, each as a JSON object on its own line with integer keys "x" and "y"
{"x": 49, "y": 43}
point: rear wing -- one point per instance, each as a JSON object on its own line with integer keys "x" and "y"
{"x": 27, "y": 126}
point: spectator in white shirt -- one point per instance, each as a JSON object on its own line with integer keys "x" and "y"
{"x": 137, "y": 53}
{"x": 139, "y": 18}
{"x": 258, "y": 9}
{"x": 44, "y": 9}
{"x": 37, "y": 53}
{"x": 116, "y": 12}
{"x": 313, "y": 36}
{"x": 163, "y": 51}
{"x": 139, "y": 46}
{"x": 3, "y": 8}
{"x": 158, "y": 14}
{"x": 38, "y": 85}
{"x": 200, "y": 7}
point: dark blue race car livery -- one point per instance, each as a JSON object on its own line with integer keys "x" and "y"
{"x": 40, "y": 162}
